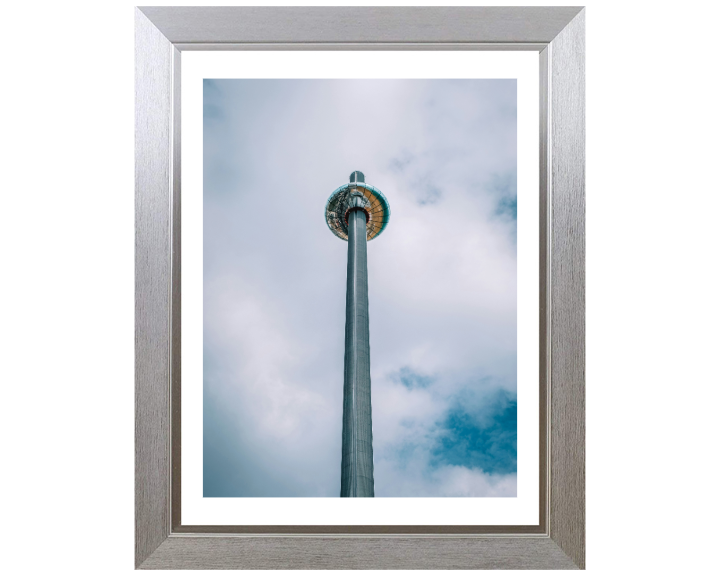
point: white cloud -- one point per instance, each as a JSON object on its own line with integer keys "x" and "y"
{"x": 450, "y": 481}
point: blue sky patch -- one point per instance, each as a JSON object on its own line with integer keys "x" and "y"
{"x": 505, "y": 188}
{"x": 480, "y": 434}
{"x": 412, "y": 380}
{"x": 507, "y": 206}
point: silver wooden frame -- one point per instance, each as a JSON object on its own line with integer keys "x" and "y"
{"x": 558, "y": 35}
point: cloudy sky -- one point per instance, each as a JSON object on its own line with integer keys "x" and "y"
{"x": 442, "y": 284}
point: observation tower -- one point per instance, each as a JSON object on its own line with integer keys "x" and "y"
{"x": 357, "y": 212}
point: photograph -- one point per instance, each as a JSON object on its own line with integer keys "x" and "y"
{"x": 359, "y": 288}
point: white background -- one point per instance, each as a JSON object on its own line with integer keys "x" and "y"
{"x": 66, "y": 316}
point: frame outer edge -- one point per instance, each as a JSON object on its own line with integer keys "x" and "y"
{"x": 567, "y": 518}
{"x": 156, "y": 265}
{"x": 353, "y": 24}
{"x": 348, "y": 553}
{"x": 153, "y": 164}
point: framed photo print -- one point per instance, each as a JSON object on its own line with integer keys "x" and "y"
{"x": 360, "y": 288}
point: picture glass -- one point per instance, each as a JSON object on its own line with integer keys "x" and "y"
{"x": 361, "y": 255}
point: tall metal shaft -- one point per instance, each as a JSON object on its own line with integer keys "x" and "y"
{"x": 357, "y": 455}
